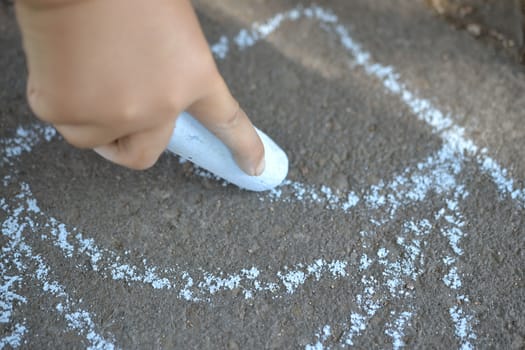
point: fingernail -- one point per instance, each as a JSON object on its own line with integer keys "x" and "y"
{"x": 260, "y": 168}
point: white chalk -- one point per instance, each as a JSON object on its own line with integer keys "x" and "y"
{"x": 192, "y": 141}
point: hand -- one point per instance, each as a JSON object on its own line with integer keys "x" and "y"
{"x": 113, "y": 75}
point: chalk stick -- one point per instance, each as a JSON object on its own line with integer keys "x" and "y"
{"x": 192, "y": 141}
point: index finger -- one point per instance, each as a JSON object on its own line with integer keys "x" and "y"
{"x": 220, "y": 113}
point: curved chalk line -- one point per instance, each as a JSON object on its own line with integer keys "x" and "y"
{"x": 13, "y": 229}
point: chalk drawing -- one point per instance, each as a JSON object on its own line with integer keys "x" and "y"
{"x": 8, "y": 298}
{"x": 22, "y": 256}
{"x": 321, "y": 338}
{"x": 438, "y": 174}
{"x": 395, "y": 330}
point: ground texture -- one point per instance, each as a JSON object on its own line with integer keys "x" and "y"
{"x": 401, "y": 223}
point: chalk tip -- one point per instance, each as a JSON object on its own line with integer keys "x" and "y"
{"x": 192, "y": 141}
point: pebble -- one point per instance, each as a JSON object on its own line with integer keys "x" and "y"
{"x": 474, "y": 29}
{"x": 341, "y": 182}
{"x": 465, "y": 11}
{"x": 232, "y": 345}
{"x": 518, "y": 343}
{"x": 439, "y": 6}
{"x": 496, "y": 35}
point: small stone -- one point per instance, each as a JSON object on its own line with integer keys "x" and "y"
{"x": 518, "y": 343}
{"x": 474, "y": 29}
{"x": 187, "y": 168}
{"x": 465, "y": 11}
{"x": 207, "y": 184}
{"x": 509, "y": 43}
{"x": 410, "y": 286}
{"x": 236, "y": 292}
{"x": 341, "y": 182}
{"x": 439, "y": 6}
{"x": 496, "y": 35}
{"x": 232, "y": 345}
{"x": 254, "y": 248}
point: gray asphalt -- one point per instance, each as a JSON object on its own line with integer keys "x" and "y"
{"x": 401, "y": 223}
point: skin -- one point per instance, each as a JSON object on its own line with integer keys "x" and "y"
{"x": 113, "y": 75}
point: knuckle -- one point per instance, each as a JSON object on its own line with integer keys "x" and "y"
{"x": 57, "y": 108}
{"x": 207, "y": 76}
{"x": 140, "y": 159}
{"x": 175, "y": 104}
{"x": 76, "y": 136}
{"x": 74, "y": 141}
{"x": 141, "y": 163}
{"x": 127, "y": 112}
{"x": 232, "y": 120}
{"x": 206, "y": 66}
{"x": 41, "y": 105}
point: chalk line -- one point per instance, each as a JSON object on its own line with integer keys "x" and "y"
{"x": 452, "y": 228}
{"x": 406, "y": 189}
{"x": 8, "y": 299}
{"x": 396, "y": 329}
{"x": 23, "y": 141}
{"x": 22, "y": 256}
{"x": 428, "y": 176}
{"x": 441, "y": 123}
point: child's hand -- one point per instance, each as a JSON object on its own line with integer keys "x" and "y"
{"x": 113, "y": 75}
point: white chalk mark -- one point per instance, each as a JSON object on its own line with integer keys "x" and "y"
{"x": 428, "y": 173}
{"x": 452, "y": 279}
{"x": 463, "y": 326}
{"x": 220, "y": 48}
{"x": 436, "y": 173}
{"x": 368, "y": 305}
{"x": 23, "y": 141}
{"x": 8, "y": 299}
{"x": 396, "y": 329}
{"x": 14, "y": 339}
{"x": 7, "y": 296}
{"x": 322, "y": 337}
{"x": 452, "y": 229}
{"x": 198, "y": 287}
{"x": 365, "y": 262}
{"x": 442, "y": 124}
{"x": 397, "y": 272}
{"x": 22, "y": 256}
{"x": 500, "y": 178}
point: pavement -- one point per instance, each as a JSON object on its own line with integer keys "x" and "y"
{"x": 401, "y": 223}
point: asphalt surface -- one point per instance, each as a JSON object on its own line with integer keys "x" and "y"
{"x": 401, "y": 223}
